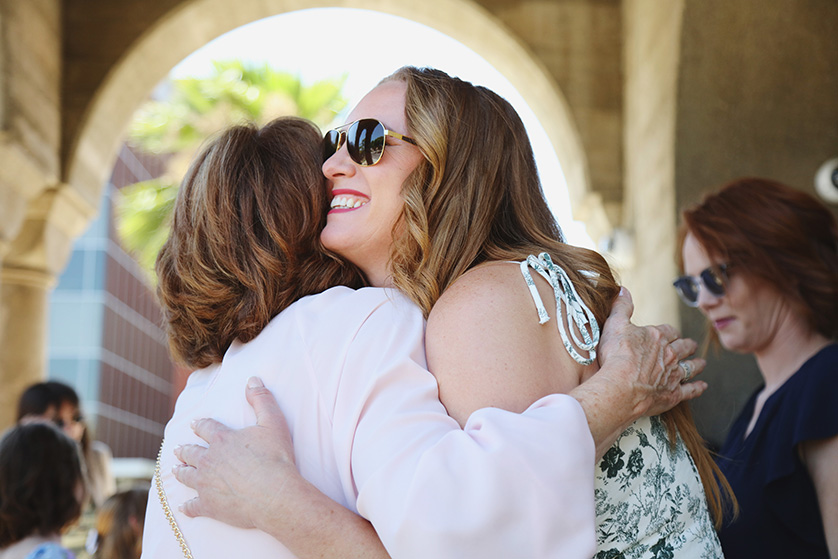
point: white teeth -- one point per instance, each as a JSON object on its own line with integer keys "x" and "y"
{"x": 347, "y": 202}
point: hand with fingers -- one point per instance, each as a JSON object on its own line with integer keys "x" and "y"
{"x": 643, "y": 371}
{"x": 653, "y": 362}
{"x": 233, "y": 472}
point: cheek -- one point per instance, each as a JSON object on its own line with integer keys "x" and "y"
{"x": 79, "y": 492}
{"x": 75, "y": 432}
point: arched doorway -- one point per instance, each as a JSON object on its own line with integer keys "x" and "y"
{"x": 184, "y": 30}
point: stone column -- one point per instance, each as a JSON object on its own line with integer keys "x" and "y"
{"x": 34, "y": 259}
{"x": 23, "y": 319}
{"x": 647, "y": 242}
{"x": 21, "y": 178}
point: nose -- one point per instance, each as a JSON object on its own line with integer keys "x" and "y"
{"x": 339, "y": 164}
{"x": 706, "y": 300}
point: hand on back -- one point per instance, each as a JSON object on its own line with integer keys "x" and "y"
{"x": 231, "y": 474}
{"x": 646, "y": 361}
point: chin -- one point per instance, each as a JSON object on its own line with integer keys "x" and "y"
{"x": 331, "y": 240}
{"x": 736, "y": 346}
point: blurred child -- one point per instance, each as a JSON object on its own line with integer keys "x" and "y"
{"x": 41, "y": 491}
{"x": 119, "y": 525}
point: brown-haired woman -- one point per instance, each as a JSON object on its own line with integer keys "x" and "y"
{"x": 119, "y": 525}
{"x": 59, "y": 403}
{"x": 761, "y": 263}
{"x": 448, "y": 213}
{"x": 41, "y": 491}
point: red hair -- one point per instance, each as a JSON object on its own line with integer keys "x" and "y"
{"x": 778, "y": 234}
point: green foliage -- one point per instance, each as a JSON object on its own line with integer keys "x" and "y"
{"x": 143, "y": 215}
{"x": 194, "y": 109}
{"x": 234, "y": 92}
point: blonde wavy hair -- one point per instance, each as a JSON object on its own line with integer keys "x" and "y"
{"x": 245, "y": 238}
{"x": 477, "y": 198}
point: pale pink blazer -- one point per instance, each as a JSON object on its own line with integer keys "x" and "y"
{"x": 348, "y": 369}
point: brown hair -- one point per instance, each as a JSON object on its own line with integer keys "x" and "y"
{"x": 784, "y": 236}
{"x": 479, "y": 170}
{"x": 40, "y": 477}
{"x": 245, "y": 239}
{"x": 45, "y": 399}
{"x": 492, "y": 186}
{"x": 119, "y": 525}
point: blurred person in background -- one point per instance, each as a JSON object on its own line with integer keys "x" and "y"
{"x": 119, "y": 525}
{"x": 59, "y": 403}
{"x": 761, "y": 263}
{"x": 41, "y": 491}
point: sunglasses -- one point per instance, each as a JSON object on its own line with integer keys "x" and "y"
{"x": 714, "y": 279}
{"x": 364, "y": 140}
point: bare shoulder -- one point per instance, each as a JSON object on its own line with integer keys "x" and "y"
{"x": 486, "y": 347}
{"x": 487, "y": 291}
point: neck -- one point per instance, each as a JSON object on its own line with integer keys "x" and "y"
{"x": 378, "y": 277}
{"x": 790, "y": 348}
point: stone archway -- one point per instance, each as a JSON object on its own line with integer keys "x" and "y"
{"x": 92, "y": 149}
{"x": 105, "y": 77}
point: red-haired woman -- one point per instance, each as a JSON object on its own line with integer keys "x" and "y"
{"x": 761, "y": 263}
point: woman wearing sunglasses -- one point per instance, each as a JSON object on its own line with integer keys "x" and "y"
{"x": 451, "y": 219}
{"x": 761, "y": 263}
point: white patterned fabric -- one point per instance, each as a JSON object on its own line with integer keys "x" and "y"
{"x": 576, "y": 311}
{"x": 650, "y": 502}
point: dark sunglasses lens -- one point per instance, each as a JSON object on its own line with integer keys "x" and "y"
{"x": 330, "y": 143}
{"x": 365, "y": 140}
{"x": 714, "y": 279}
{"x": 687, "y": 290}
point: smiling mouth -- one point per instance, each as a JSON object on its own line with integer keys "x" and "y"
{"x": 347, "y": 199}
{"x": 347, "y": 202}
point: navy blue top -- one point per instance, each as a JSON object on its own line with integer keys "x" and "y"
{"x": 779, "y": 514}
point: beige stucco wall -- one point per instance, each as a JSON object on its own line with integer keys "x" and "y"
{"x": 29, "y": 106}
{"x": 651, "y": 57}
{"x": 579, "y": 44}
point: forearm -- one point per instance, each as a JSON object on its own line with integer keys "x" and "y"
{"x": 312, "y": 525}
{"x": 608, "y": 410}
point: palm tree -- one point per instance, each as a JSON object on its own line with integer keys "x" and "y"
{"x": 194, "y": 109}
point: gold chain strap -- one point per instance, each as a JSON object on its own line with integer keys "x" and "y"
{"x": 166, "y": 510}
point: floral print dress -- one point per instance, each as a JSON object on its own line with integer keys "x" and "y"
{"x": 650, "y": 502}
